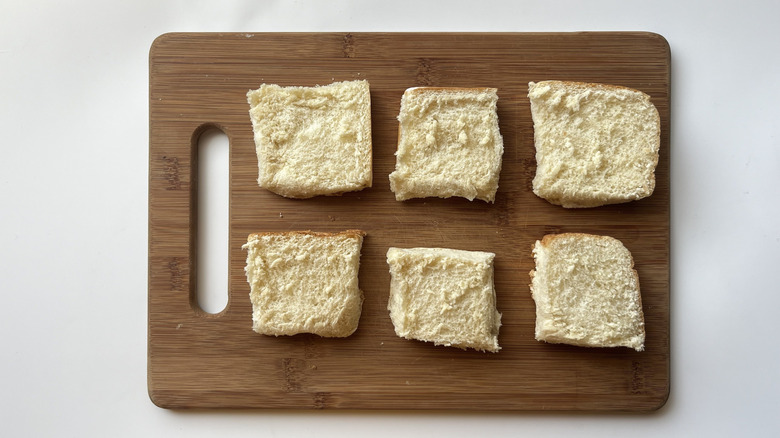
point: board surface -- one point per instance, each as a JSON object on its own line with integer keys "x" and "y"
{"x": 195, "y": 359}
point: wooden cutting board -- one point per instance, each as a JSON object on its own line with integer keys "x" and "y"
{"x": 195, "y": 359}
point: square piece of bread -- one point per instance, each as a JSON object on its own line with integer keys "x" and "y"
{"x": 596, "y": 144}
{"x": 304, "y": 282}
{"x": 312, "y": 141}
{"x": 586, "y": 292}
{"x": 449, "y": 144}
{"x": 444, "y": 296}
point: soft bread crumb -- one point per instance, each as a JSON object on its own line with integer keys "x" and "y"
{"x": 596, "y": 144}
{"x": 444, "y": 296}
{"x": 312, "y": 140}
{"x": 449, "y": 144}
{"x": 586, "y": 292}
{"x": 304, "y": 282}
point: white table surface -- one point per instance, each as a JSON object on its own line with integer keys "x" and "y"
{"x": 73, "y": 213}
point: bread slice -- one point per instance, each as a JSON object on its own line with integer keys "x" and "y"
{"x": 312, "y": 140}
{"x": 595, "y": 144}
{"x": 304, "y": 282}
{"x": 444, "y": 296}
{"x": 586, "y": 292}
{"x": 449, "y": 144}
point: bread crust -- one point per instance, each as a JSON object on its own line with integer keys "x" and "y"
{"x": 422, "y": 90}
{"x": 350, "y": 233}
{"x": 593, "y": 85}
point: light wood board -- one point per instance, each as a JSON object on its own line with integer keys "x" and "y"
{"x": 195, "y": 359}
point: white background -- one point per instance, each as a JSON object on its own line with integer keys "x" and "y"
{"x": 73, "y": 213}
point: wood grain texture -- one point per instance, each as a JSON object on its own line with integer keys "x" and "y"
{"x": 195, "y": 359}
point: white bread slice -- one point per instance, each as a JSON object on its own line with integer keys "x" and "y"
{"x": 596, "y": 144}
{"x": 304, "y": 282}
{"x": 444, "y": 296}
{"x": 586, "y": 292}
{"x": 449, "y": 144}
{"x": 312, "y": 140}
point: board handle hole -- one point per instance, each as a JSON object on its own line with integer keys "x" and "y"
{"x": 213, "y": 220}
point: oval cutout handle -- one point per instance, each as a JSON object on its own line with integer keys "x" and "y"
{"x": 213, "y": 220}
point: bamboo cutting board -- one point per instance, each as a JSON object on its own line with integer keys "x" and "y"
{"x": 195, "y": 359}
